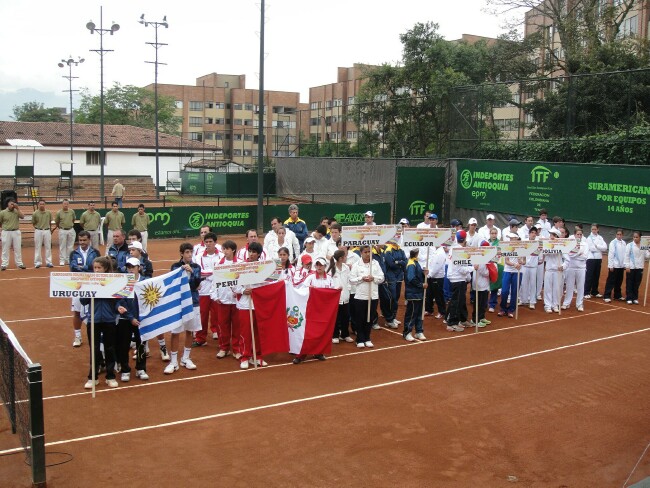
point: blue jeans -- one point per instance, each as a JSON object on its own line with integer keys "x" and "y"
{"x": 509, "y": 288}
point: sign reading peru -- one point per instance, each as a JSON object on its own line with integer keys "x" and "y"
{"x": 615, "y": 195}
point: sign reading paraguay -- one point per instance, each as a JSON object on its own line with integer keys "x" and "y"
{"x": 367, "y": 235}
{"x": 611, "y": 195}
{"x": 91, "y": 285}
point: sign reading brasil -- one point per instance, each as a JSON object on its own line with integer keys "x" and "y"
{"x": 612, "y": 195}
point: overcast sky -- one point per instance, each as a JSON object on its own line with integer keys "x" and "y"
{"x": 305, "y": 40}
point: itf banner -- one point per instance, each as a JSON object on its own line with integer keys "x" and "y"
{"x": 617, "y": 195}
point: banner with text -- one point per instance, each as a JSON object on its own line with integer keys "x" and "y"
{"x": 612, "y": 195}
{"x": 367, "y": 235}
{"x": 247, "y": 273}
{"x": 425, "y": 237}
{"x": 91, "y": 285}
{"x": 466, "y": 256}
{"x": 418, "y": 190}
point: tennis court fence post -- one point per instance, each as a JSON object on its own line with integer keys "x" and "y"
{"x": 37, "y": 425}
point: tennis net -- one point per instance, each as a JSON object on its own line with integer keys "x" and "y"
{"x": 21, "y": 392}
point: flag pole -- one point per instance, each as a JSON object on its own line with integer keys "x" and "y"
{"x": 518, "y": 291}
{"x": 647, "y": 278}
{"x": 370, "y": 288}
{"x": 424, "y": 293}
{"x": 92, "y": 344}
{"x": 250, "y": 316}
{"x": 476, "y": 302}
{"x": 559, "y": 308}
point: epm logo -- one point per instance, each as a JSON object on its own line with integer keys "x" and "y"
{"x": 541, "y": 174}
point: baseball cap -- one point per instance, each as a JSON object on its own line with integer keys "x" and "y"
{"x": 485, "y": 243}
{"x": 310, "y": 239}
{"x": 472, "y": 221}
{"x": 404, "y": 221}
{"x": 133, "y": 261}
{"x": 514, "y": 221}
{"x": 135, "y": 245}
{"x": 513, "y": 235}
{"x": 554, "y": 231}
{"x": 461, "y": 235}
{"x": 433, "y": 216}
{"x": 320, "y": 260}
{"x": 455, "y": 223}
{"x": 370, "y": 213}
{"x": 305, "y": 259}
{"x": 489, "y": 216}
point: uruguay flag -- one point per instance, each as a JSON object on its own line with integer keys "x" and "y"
{"x": 165, "y": 303}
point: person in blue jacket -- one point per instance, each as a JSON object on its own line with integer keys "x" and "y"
{"x": 415, "y": 283}
{"x": 81, "y": 260}
{"x": 105, "y": 315}
{"x": 119, "y": 251}
{"x": 296, "y": 225}
{"x": 128, "y": 327}
{"x": 395, "y": 260}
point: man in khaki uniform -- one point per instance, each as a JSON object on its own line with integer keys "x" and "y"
{"x": 41, "y": 220}
{"x": 113, "y": 220}
{"x": 118, "y": 193}
{"x": 10, "y": 223}
{"x": 90, "y": 222}
{"x": 64, "y": 220}
{"x": 140, "y": 221}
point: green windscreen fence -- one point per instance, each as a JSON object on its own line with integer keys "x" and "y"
{"x": 611, "y": 195}
{"x": 231, "y": 184}
{"x": 419, "y": 189}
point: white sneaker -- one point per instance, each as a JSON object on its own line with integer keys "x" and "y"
{"x": 564, "y": 307}
{"x": 222, "y": 354}
{"x": 607, "y": 300}
{"x": 587, "y": 297}
{"x": 215, "y": 336}
{"x": 188, "y": 363}
{"x": 335, "y": 340}
{"x": 89, "y": 384}
{"x": 376, "y": 326}
{"x": 392, "y": 325}
{"x": 260, "y": 362}
{"x": 112, "y": 383}
{"x": 170, "y": 368}
{"x": 635, "y": 302}
{"x": 76, "y": 342}
{"x": 420, "y": 336}
{"x": 581, "y": 309}
{"x": 243, "y": 364}
{"x": 125, "y": 377}
{"x": 548, "y": 310}
{"x": 629, "y": 302}
{"x": 349, "y": 339}
{"x": 369, "y": 344}
{"x": 556, "y": 310}
{"x": 531, "y": 306}
{"x": 142, "y": 374}
{"x": 360, "y": 345}
{"x": 164, "y": 355}
{"x": 409, "y": 337}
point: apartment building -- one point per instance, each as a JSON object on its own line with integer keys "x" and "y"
{"x": 221, "y": 113}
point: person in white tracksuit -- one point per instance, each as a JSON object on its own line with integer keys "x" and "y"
{"x": 634, "y": 262}
{"x": 597, "y": 246}
{"x": 529, "y": 279}
{"x": 553, "y": 278}
{"x": 576, "y": 269}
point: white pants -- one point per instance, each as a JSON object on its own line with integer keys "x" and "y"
{"x": 66, "y": 243}
{"x": 575, "y": 277}
{"x": 553, "y": 282}
{"x": 94, "y": 238}
{"x": 145, "y": 235}
{"x": 540, "y": 279}
{"x": 528, "y": 291}
{"x": 109, "y": 240}
{"x": 42, "y": 238}
{"x": 11, "y": 238}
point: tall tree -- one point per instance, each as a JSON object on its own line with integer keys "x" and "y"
{"x": 129, "y": 105}
{"x": 36, "y": 112}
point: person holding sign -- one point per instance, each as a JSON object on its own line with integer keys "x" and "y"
{"x": 510, "y": 282}
{"x": 207, "y": 261}
{"x": 553, "y": 277}
{"x": 415, "y": 283}
{"x": 340, "y": 272}
{"x": 616, "y": 264}
{"x": 459, "y": 274}
{"x": 226, "y": 302}
{"x": 529, "y": 277}
{"x": 576, "y": 268}
{"x": 367, "y": 275}
{"x": 396, "y": 261}
{"x": 481, "y": 285}
{"x": 635, "y": 259}
{"x": 105, "y": 317}
{"x": 81, "y": 260}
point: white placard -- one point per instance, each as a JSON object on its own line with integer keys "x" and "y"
{"x": 91, "y": 285}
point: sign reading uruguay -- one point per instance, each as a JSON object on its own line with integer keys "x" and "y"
{"x": 91, "y": 285}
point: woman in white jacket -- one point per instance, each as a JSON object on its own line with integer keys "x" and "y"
{"x": 616, "y": 265}
{"x": 597, "y": 246}
{"x": 340, "y": 272}
{"x": 634, "y": 262}
{"x": 366, "y": 274}
{"x": 576, "y": 268}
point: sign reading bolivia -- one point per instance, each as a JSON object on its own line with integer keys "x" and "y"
{"x": 91, "y": 285}
{"x": 425, "y": 237}
{"x": 367, "y": 235}
{"x": 558, "y": 246}
{"x": 469, "y": 256}
{"x": 644, "y": 244}
{"x": 247, "y": 273}
{"x": 518, "y": 249}
{"x": 617, "y": 195}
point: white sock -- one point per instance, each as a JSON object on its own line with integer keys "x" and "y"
{"x": 161, "y": 342}
{"x": 77, "y": 333}
{"x": 186, "y": 353}
{"x": 174, "y": 357}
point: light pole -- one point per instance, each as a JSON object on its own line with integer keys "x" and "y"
{"x": 101, "y": 31}
{"x": 156, "y": 45}
{"x": 71, "y": 62}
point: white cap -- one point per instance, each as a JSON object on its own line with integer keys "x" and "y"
{"x": 135, "y": 245}
{"x": 404, "y": 221}
{"x": 321, "y": 260}
{"x": 133, "y": 261}
{"x": 489, "y": 216}
{"x": 370, "y": 213}
{"x": 554, "y": 231}
{"x": 472, "y": 221}
{"x": 310, "y": 239}
{"x": 512, "y": 235}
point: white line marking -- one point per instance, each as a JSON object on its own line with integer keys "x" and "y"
{"x": 333, "y": 394}
{"x": 38, "y": 319}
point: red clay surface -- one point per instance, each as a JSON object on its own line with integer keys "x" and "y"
{"x": 544, "y": 401}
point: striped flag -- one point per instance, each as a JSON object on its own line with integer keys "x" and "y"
{"x": 165, "y": 302}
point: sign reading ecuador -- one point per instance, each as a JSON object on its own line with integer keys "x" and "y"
{"x": 367, "y": 235}
{"x": 246, "y": 273}
{"x": 425, "y": 237}
{"x": 91, "y": 285}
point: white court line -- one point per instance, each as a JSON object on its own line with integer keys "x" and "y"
{"x": 330, "y": 395}
{"x": 38, "y": 319}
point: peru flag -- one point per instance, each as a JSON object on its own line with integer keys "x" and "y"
{"x": 311, "y": 316}
{"x": 271, "y": 319}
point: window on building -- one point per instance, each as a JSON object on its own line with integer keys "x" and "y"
{"x": 219, "y": 136}
{"x": 237, "y": 122}
{"x": 219, "y": 121}
{"x": 248, "y": 106}
{"x": 209, "y": 104}
{"x": 248, "y": 152}
{"x": 219, "y": 105}
{"x": 256, "y": 139}
{"x": 196, "y": 121}
{"x": 350, "y": 100}
{"x": 196, "y": 106}
{"x": 328, "y": 104}
{"x": 196, "y": 136}
{"x": 209, "y": 136}
{"x": 236, "y": 137}
{"x": 237, "y": 106}
{"x": 314, "y": 121}
{"x": 209, "y": 120}
{"x": 314, "y": 105}
{"x": 248, "y": 137}
{"x": 92, "y": 158}
{"x": 236, "y": 152}
{"x": 248, "y": 122}
{"x": 179, "y": 103}
{"x": 629, "y": 27}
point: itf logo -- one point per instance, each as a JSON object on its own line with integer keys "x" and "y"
{"x": 541, "y": 174}
{"x": 418, "y": 207}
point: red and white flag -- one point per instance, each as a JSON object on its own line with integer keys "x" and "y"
{"x": 271, "y": 318}
{"x": 310, "y": 318}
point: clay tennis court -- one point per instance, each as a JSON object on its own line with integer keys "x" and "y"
{"x": 546, "y": 400}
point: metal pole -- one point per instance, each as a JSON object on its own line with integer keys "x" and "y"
{"x": 71, "y": 134}
{"x": 155, "y": 101}
{"x": 260, "y": 130}
{"x": 101, "y": 106}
